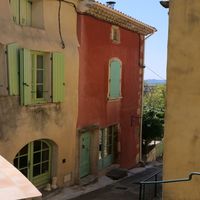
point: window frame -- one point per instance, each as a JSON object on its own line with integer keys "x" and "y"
{"x": 22, "y": 69}
{"x": 34, "y": 77}
{"x": 115, "y": 30}
{"x": 108, "y": 152}
{"x": 109, "y": 80}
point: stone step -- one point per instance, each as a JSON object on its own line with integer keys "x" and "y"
{"x": 90, "y": 179}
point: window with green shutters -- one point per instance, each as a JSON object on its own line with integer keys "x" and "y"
{"x": 21, "y": 12}
{"x": 114, "y": 89}
{"x": 38, "y": 77}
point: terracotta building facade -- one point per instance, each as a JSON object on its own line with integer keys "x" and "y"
{"x": 111, "y": 71}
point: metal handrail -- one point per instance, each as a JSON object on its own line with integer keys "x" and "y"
{"x": 173, "y": 180}
{"x": 146, "y": 182}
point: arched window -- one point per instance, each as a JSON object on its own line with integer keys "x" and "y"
{"x": 114, "y": 89}
{"x": 34, "y": 161}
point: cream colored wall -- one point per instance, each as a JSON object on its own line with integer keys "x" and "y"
{"x": 20, "y": 125}
{"x": 182, "y": 125}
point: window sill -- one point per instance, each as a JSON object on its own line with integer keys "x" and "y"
{"x": 115, "y": 42}
{"x": 29, "y": 27}
{"x": 42, "y": 105}
{"x": 114, "y": 99}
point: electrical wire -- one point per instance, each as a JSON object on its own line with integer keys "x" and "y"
{"x": 59, "y": 26}
{"x": 70, "y": 3}
{"x": 59, "y": 21}
{"x": 155, "y": 73}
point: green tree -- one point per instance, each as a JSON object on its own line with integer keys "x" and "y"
{"x": 153, "y": 114}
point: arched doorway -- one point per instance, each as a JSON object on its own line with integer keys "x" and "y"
{"x": 34, "y": 161}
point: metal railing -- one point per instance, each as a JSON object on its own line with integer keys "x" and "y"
{"x": 143, "y": 183}
{"x": 156, "y": 182}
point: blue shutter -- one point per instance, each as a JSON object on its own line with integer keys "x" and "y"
{"x": 58, "y": 77}
{"x": 13, "y": 69}
{"x": 115, "y": 80}
{"x": 25, "y": 77}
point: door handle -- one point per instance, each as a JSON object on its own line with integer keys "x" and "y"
{"x": 26, "y": 84}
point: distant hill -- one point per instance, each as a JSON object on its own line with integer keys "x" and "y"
{"x": 154, "y": 82}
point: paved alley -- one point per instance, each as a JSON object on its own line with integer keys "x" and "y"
{"x": 107, "y": 189}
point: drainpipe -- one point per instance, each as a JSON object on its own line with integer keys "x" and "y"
{"x": 142, "y": 93}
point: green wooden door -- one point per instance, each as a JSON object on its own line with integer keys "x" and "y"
{"x": 34, "y": 161}
{"x": 85, "y": 154}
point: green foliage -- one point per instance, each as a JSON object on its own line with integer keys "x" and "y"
{"x": 153, "y": 113}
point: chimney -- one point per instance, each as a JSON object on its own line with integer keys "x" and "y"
{"x": 111, "y": 4}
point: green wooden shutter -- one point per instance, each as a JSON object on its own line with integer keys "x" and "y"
{"x": 29, "y": 13}
{"x": 25, "y": 77}
{"x": 115, "y": 80}
{"x": 58, "y": 77}
{"x": 13, "y": 69}
{"x": 23, "y": 12}
{"x": 14, "y": 6}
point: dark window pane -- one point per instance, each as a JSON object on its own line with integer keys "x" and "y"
{"x": 25, "y": 172}
{"x": 23, "y": 161}
{"x": 24, "y": 150}
{"x": 39, "y": 76}
{"x": 110, "y": 139}
{"x": 45, "y": 155}
{"x": 36, "y": 158}
{"x": 109, "y": 149}
{"x": 100, "y": 144}
{"x": 44, "y": 146}
{"x": 39, "y": 61}
{"x": 45, "y": 167}
{"x": 37, "y": 145}
{"x": 36, "y": 170}
{"x": 39, "y": 91}
{"x": 16, "y": 163}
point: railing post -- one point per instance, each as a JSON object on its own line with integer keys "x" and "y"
{"x": 143, "y": 191}
{"x": 155, "y": 186}
{"x": 140, "y": 193}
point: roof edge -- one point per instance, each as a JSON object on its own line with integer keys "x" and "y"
{"x": 116, "y": 17}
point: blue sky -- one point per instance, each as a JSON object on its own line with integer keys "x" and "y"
{"x": 152, "y": 13}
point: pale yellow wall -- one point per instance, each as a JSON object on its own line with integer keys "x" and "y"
{"x": 20, "y": 125}
{"x": 182, "y": 125}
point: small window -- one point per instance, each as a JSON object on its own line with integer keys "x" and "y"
{"x": 114, "y": 84}
{"x": 115, "y": 34}
{"x": 37, "y": 77}
{"x": 21, "y": 12}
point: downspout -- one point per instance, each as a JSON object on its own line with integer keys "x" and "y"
{"x": 142, "y": 38}
{"x": 142, "y": 91}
